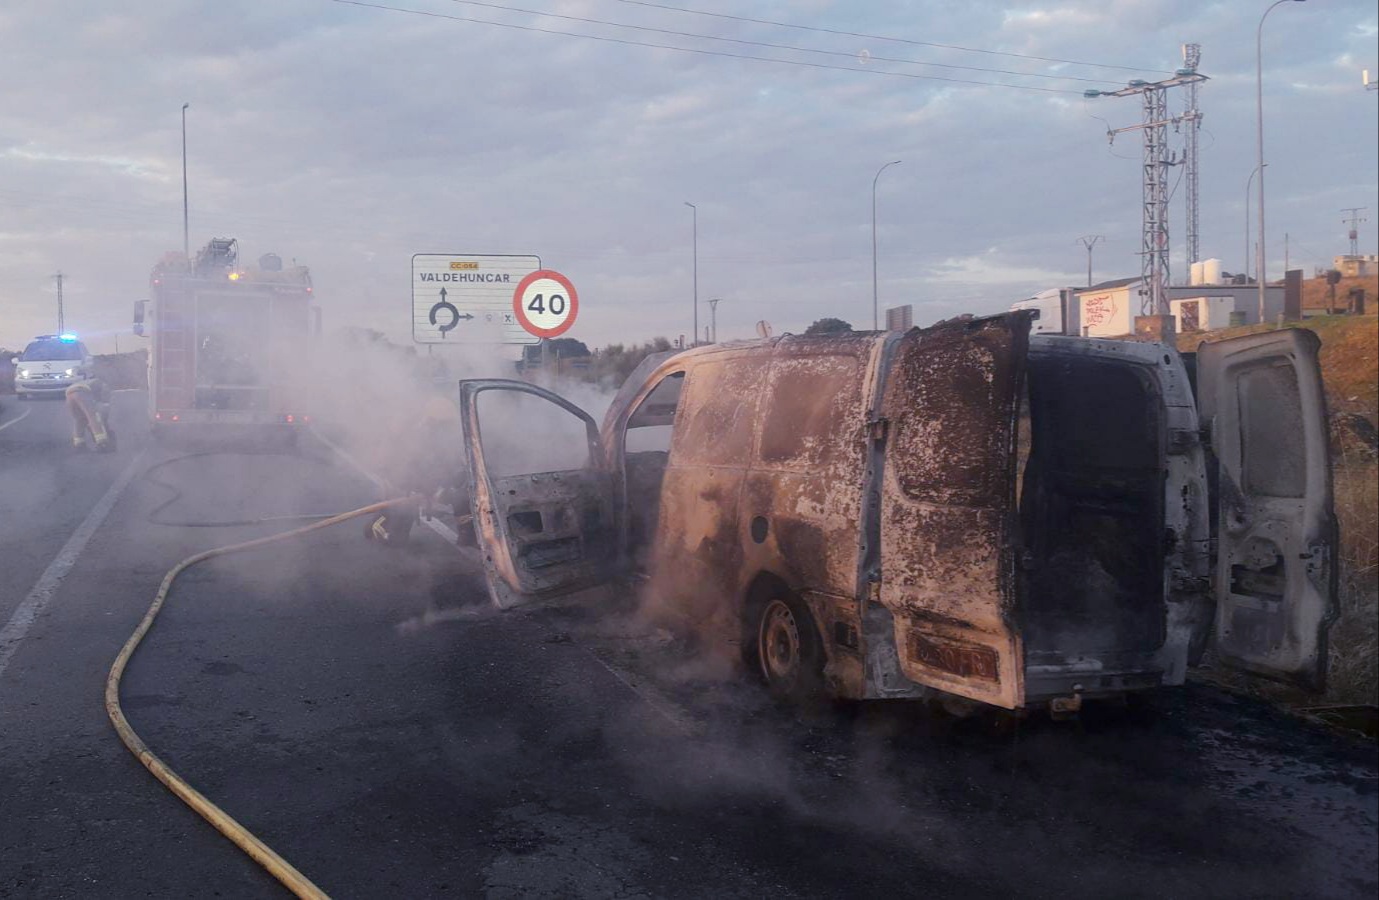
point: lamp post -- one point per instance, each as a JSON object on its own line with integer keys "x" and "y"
{"x": 186, "y": 243}
{"x": 1248, "y": 182}
{"x": 1261, "y": 269}
{"x": 875, "y": 305}
{"x": 694, "y": 335}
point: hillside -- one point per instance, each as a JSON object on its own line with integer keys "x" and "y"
{"x": 1315, "y": 292}
{"x": 1350, "y": 357}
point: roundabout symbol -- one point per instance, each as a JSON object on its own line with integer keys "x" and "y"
{"x": 449, "y": 307}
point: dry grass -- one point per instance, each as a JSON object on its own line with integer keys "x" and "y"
{"x": 1354, "y": 662}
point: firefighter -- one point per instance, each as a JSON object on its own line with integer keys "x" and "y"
{"x": 89, "y": 403}
{"x": 429, "y": 475}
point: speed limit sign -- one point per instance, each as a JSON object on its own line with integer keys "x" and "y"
{"x": 545, "y": 303}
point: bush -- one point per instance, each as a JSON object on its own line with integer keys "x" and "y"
{"x": 122, "y": 370}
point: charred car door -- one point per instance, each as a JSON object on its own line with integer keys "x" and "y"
{"x": 950, "y": 409}
{"x": 1261, "y": 398}
{"x": 542, "y": 495}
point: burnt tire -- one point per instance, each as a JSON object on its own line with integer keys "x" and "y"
{"x": 789, "y": 654}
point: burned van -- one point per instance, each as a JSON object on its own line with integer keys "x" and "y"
{"x": 961, "y": 510}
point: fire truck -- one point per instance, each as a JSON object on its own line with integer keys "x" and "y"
{"x": 230, "y": 344}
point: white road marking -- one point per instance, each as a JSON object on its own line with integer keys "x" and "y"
{"x": 22, "y": 415}
{"x": 38, "y": 598}
{"x": 667, "y": 709}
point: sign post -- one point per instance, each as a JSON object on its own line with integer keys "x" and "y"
{"x": 462, "y": 298}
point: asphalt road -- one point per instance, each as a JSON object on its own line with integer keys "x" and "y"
{"x": 368, "y": 715}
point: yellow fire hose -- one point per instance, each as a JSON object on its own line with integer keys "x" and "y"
{"x": 261, "y": 853}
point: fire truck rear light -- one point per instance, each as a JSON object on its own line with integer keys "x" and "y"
{"x": 290, "y": 418}
{"x": 306, "y": 419}
{"x": 176, "y": 418}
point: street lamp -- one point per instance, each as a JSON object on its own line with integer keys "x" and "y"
{"x": 1260, "y": 268}
{"x": 1248, "y": 182}
{"x": 875, "y": 309}
{"x": 186, "y": 244}
{"x": 695, "y": 333}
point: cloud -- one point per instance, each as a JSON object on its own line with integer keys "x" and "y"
{"x": 350, "y": 138}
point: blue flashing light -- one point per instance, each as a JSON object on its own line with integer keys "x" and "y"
{"x": 67, "y": 338}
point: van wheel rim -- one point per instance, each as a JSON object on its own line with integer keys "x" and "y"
{"x": 779, "y": 643}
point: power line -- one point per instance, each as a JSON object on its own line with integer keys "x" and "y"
{"x": 881, "y": 37}
{"x": 702, "y": 52}
{"x": 773, "y": 46}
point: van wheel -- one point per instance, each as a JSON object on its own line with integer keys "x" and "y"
{"x": 788, "y": 651}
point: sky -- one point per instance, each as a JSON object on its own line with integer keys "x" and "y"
{"x": 348, "y": 138}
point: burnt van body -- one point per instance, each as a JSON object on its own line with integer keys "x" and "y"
{"x": 960, "y": 510}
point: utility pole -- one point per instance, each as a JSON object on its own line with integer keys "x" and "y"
{"x": 1154, "y": 236}
{"x": 713, "y": 317}
{"x": 186, "y": 243}
{"x": 1154, "y": 231}
{"x": 1353, "y": 219}
{"x": 61, "y": 319}
{"x": 1089, "y": 241}
{"x": 1192, "y": 58}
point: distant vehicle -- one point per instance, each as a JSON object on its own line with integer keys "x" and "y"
{"x": 50, "y": 365}
{"x": 1056, "y": 311}
{"x": 231, "y": 344}
{"x": 961, "y": 511}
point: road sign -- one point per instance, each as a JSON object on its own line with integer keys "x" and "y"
{"x": 460, "y": 298}
{"x": 545, "y": 303}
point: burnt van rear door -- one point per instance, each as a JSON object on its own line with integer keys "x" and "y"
{"x": 541, "y": 497}
{"x": 948, "y": 511}
{"x": 1261, "y": 398}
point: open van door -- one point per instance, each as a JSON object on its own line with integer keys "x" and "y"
{"x": 950, "y": 409}
{"x": 1261, "y": 398}
{"x": 542, "y": 499}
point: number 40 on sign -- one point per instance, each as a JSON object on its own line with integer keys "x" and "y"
{"x": 545, "y": 303}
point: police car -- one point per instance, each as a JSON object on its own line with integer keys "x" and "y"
{"x": 51, "y": 364}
